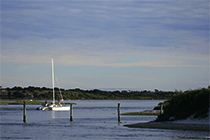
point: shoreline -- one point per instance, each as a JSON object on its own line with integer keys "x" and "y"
{"x": 170, "y": 125}
{"x": 38, "y": 102}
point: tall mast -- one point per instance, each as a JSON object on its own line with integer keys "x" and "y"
{"x": 53, "y": 86}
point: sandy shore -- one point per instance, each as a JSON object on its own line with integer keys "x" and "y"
{"x": 170, "y": 125}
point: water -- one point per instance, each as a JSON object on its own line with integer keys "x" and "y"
{"x": 93, "y": 120}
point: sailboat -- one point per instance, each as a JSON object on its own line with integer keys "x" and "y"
{"x": 54, "y": 106}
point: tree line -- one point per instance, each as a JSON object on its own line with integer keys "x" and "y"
{"x": 44, "y": 93}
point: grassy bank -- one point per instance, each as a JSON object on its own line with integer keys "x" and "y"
{"x": 189, "y": 104}
{"x": 155, "y": 113}
{"x": 194, "y": 103}
{"x": 20, "y": 102}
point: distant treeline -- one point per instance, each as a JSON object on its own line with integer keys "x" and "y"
{"x": 46, "y": 93}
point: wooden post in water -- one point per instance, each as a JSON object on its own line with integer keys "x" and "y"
{"x": 71, "y": 113}
{"x": 161, "y": 109}
{"x": 118, "y": 112}
{"x": 24, "y": 111}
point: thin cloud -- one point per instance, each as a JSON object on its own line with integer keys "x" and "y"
{"x": 129, "y": 59}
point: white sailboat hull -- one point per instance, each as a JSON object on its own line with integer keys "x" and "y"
{"x": 54, "y": 108}
{"x": 61, "y": 108}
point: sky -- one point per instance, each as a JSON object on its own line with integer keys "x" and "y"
{"x": 106, "y": 44}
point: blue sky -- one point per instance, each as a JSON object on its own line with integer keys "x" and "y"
{"x": 106, "y": 44}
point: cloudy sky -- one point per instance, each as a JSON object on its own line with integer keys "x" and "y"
{"x": 106, "y": 44}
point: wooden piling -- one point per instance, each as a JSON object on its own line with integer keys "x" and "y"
{"x": 161, "y": 109}
{"x": 118, "y": 112}
{"x": 24, "y": 111}
{"x": 71, "y": 113}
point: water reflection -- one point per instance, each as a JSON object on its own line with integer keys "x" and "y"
{"x": 53, "y": 114}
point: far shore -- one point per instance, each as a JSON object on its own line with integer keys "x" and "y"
{"x": 170, "y": 125}
{"x": 38, "y": 102}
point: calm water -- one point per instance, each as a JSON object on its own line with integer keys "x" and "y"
{"x": 93, "y": 120}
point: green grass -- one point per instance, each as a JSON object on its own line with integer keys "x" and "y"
{"x": 20, "y": 102}
{"x": 28, "y": 102}
{"x": 140, "y": 113}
